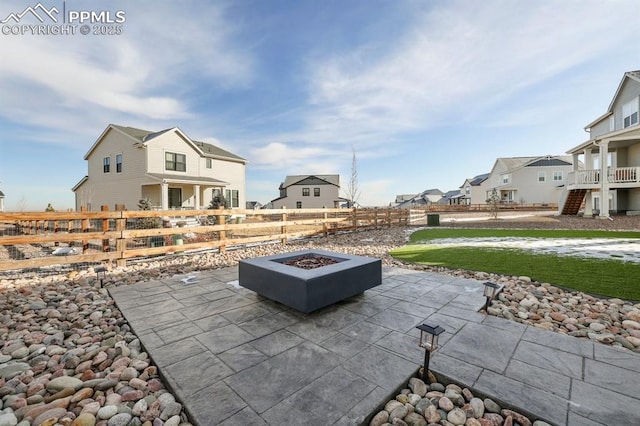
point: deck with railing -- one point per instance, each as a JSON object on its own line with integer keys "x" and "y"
{"x": 618, "y": 176}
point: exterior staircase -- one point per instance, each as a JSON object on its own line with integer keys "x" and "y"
{"x": 574, "y": 200}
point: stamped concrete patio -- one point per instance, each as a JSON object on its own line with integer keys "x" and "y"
{"x": 235, "y": 358}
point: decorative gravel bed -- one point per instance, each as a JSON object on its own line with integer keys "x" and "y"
{"x": 421, "y": 404}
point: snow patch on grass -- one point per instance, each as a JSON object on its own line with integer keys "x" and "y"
{"x": 626, "y": 250}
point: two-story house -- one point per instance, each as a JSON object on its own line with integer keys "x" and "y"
{"x": 126, "y": 165}
{"x": 530, "y": 180}
{"x": 309, "y": 192}
{"x": 474, "y": 190}
{"x": 610, "y": 181}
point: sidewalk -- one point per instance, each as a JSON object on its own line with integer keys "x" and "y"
{"x": 235, "y": 358}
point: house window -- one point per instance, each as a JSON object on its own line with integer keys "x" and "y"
{"x": 173, "y": 161}
{"x": 305, "y": 192}
{"x": 209, "y": 163}
{"x": 298, "y": 204}
{"x": 316, "y": 192}
{"x": 557, "y": 176}
{"x": 119, "y": 163}
{"x": 106, "y": 164}
{"x": 233, "y": 197}
{"x": 630, "y": 113}
{"x": 467, "y": 190}
{"x": 542, "y": 177}
{"x": 505, "y": 178}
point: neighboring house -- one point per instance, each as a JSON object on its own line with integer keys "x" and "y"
{"x": 308, "y": 192}
{"x": 404, "y": 197}
{"x": 529, "y": 180}
{"x": 425, "y": 198}
{"x": 454, "y": 197}
{"x": 610, "y": 181}
{"x": 474, "y": 190}
{"x": 1, "y": 201}
{"x": 126, "y": 165}
{"x": 254, "y": 205}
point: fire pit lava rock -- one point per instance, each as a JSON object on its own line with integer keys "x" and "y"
{"x": 334, "y": 277}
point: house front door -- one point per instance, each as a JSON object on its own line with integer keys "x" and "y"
{"x": 175, "y": 198}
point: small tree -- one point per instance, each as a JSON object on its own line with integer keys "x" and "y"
{"x": 49, "y": 208}
{"x": 218, "y": 202}
{"x": 353, "y": 188}
{"x": 494, "y": 203}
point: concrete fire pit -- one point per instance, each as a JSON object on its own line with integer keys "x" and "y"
{"x": 307, "y": 290}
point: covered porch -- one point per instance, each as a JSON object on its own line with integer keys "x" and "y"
{"x": 170, "y": 192}
{"x": 611, "y": 172}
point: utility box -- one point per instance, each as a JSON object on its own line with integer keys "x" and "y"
{"x": 433, "y": 220}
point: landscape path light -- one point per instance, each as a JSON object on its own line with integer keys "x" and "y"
{"x": 428, "y": 341}
{"x": 101, "y": 274}
{"x": 490, "y": 291}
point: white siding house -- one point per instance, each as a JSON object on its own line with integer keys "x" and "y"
{"x": 126, "y": 164}
{"x": 529, "y": 180}
{"x": 309, "y": 192}
{"x": 474, "y": 190}
{"x": 610, "y": 181}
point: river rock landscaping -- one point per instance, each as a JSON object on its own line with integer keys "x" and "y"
{"x": 422, "y": 404}
{"x": 68, "y": 357}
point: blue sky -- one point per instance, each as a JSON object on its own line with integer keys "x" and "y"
{"x": 427, "y": 93}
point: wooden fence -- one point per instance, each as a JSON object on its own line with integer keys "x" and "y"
{"x": 33, "y": 240}
{"x": 484, "y": 207}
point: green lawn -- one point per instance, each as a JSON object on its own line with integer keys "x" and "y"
{"x": 611, "y": 278}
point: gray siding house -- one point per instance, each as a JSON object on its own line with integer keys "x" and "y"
{"x": 610, "y": 180}
{"x": 309, "y": 192}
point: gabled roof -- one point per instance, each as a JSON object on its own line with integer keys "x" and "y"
{"x": 297, "y": 179}
{"x": 404, "y": 197}
{"x": 1, "y": 194}
{"x": 214, "y": 151}
{"x": 515, "y": 163}
{"x": 450, "y": 195}
{"x": 79, "y": 184}
{"x": 549, "y": 161}
{"x": 145, "y": 136}
{"x": 433, "y": 191}
{"x": 634, "y": 75}
{"x": 477, "y": 180}
{"x": 421, "y": 198}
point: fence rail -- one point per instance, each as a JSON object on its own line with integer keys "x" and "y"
{"x": 33, "y": 240}
{"x": 484, "y": 207}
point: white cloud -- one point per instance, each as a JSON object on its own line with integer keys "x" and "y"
{"x": 292, "y": 159}
{"x": 80, "y": 83}
{"x": 456, "y": 64}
